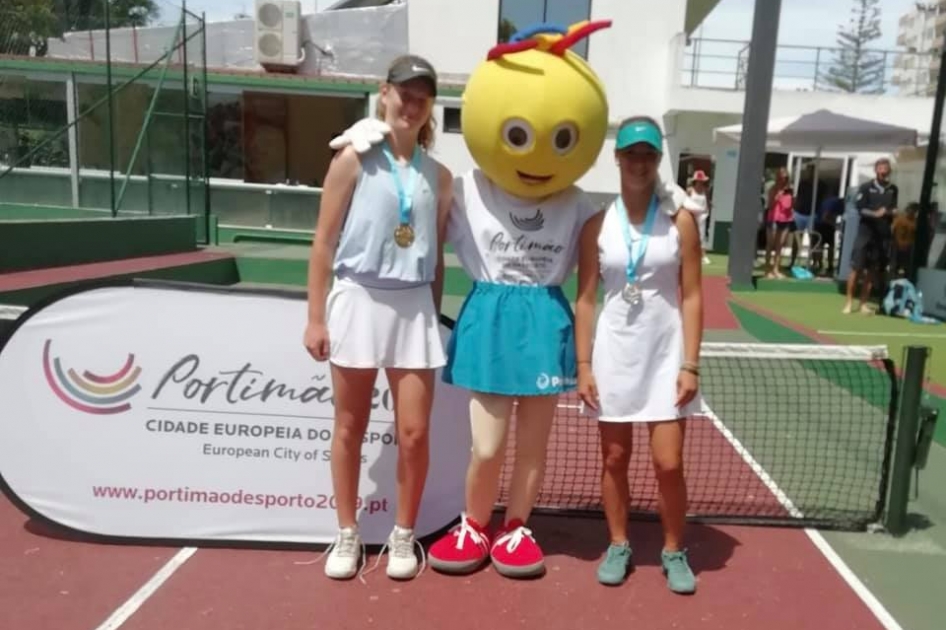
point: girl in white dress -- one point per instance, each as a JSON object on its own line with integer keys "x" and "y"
{"x": 380, "y": 232}
{"x": 644, "y": 363}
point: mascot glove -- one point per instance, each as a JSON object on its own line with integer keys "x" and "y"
{"x": 669, "y": 191}
{"x": 364, "y": 134}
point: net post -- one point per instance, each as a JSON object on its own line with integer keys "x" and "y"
{"x": 908, "y": 417}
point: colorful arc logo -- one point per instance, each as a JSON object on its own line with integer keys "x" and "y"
{"x": 92, "y": 393}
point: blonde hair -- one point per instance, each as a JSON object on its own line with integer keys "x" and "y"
{"x": 425, "y": 137}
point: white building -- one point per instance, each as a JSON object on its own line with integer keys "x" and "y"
{"x": 651, "y": 65}
{"x": 919, "y": 30}
{"x": 648, "y": 60}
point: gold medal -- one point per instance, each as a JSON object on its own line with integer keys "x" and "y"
{"x": 404, "y": 235}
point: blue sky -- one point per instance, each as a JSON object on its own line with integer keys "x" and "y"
{"x": 808, "y": 22}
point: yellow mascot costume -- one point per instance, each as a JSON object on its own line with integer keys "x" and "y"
{"x": 534, "y": 118}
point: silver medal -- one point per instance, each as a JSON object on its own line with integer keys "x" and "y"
{"x": 632, "y": 293}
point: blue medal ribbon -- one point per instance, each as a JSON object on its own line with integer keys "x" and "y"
{"x": 405, "y": 194}
{"x": 634, "y": 258}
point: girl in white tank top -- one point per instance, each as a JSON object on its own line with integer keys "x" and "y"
{"x": 641, "y": 365}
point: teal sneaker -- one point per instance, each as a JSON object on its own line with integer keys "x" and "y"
{"x": 680, "y": 578}
{"x": 614, "y": 568}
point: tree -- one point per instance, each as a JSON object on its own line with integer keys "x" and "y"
{"x": 506, "y": 30}
{"x": 26, "y": 25}
{"x": 855, "y": 67}
{"x": 81, "y": 15}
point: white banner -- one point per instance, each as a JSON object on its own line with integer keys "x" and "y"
{"x": 162, "y": 412}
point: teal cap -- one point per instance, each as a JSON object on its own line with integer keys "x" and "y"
{"x": 639, "y": 131}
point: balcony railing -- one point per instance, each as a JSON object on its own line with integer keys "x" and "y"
{"x": 722, "y": 64}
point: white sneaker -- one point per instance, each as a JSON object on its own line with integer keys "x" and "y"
{"x": 402, "y": 563}
{"x": 342, "y": 562}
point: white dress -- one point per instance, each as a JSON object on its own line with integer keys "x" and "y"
{"x": 638, "y": 350}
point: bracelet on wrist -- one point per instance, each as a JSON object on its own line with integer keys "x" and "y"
{"x": 692, "y": 368}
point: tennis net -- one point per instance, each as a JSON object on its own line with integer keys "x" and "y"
{"x": 798, "y": 435}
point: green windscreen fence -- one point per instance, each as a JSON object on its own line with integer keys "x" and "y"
{"x": 121, "y": 130}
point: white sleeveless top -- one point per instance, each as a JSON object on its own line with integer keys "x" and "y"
{"x": 638, "y": 350}
{"x": 504, "y": 239}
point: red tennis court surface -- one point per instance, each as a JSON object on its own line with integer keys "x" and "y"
{"x": 716, "y": 312}
{"x": 748, "y": 578}
{"x": 92, "y": 271}
{"x": 719, "y": 479}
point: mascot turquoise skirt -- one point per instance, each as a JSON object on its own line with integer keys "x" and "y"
{"x": 514, "y": 340}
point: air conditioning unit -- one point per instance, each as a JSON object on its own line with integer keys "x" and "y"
{"x": 278, "y": 42}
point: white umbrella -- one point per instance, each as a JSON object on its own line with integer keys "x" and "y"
{"x": 827, "y": 130}
{"x": 824, "y": 130}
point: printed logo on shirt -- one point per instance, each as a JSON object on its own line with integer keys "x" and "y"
{"x": 530, "y": 256}
{"x": 529, "y": 224}
{"x": 544, "y": 381}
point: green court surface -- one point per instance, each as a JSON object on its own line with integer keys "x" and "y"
{"x": 822, "y": 314}
{"x": 905, "y": 573}
{"x": 815, "y": 426}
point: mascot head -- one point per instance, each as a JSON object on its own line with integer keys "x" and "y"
{"x": 534, "y": 114}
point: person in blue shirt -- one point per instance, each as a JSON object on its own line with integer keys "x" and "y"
{"x": 381, "y": 226}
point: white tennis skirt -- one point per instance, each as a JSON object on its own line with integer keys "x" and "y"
{"x": 383, "y": 328}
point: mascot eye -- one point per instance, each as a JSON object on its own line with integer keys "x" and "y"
{"x": 518, "y": 134}
{"x": 565, "y": 137}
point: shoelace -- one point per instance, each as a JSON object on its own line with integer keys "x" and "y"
{"x": 514, "y": 538}
{"x": 677, "y": 561}
{"x": 346, "y": 548}
{"x": 401, "y": 547}
{"x": 618, "y": 553}
{"x": 463, "y": 530}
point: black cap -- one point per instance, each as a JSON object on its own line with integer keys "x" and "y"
{"x": 412, "y": 67}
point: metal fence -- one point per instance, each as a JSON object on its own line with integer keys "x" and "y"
{"x": 722, "y": 64}
{"x": 125, "y": 139}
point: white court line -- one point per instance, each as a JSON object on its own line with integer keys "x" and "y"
{"x": 853, "y": 333}
{"x": 883, "y": 616}
{"x": 126, "y": 610}
{"x": 754, "y": 465}
{"x": 872, "y": 603}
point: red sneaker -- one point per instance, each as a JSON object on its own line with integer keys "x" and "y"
{"x": 515, "y": 552}
{"x": 462, "y": 550}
